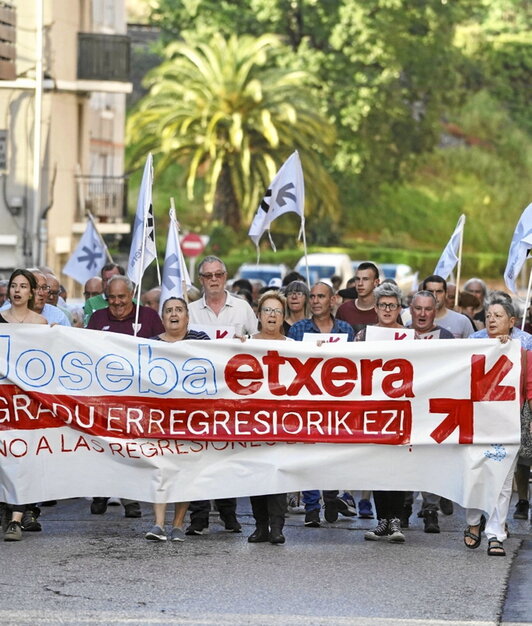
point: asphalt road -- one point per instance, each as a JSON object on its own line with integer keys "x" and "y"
{"x": 86, "y": 569}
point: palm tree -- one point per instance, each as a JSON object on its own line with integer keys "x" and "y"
{"x": 227, "y": 113}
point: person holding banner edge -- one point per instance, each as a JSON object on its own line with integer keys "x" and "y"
{"x": 500, "y": 324}
{"x": 21, "y": 289}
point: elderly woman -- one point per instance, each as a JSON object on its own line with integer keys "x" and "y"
{"x": 388, "y": 504}
{"x": 21, "y": 289}
{"x": 175, "y": 322}
{"x": 297, "y": 303}
{"x": 500, "y": 321}
{"x": 269, "y": 510}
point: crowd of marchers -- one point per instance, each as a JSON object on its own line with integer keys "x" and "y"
{"x": 287, "y": 310}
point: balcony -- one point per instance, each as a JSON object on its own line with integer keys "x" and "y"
{"x": 103, "y": 57}
{"x": 104, "y": 196}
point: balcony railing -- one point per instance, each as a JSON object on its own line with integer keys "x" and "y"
{"x": 104, "y": 196}
{"x": 103, "y": 57}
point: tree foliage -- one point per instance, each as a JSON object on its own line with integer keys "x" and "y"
{"x": 225, "y": 111}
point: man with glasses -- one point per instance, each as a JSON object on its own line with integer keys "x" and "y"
{"x": 51, "y": 313}
{"x": 93, "y": 287}
{"x": 218, "y": 307}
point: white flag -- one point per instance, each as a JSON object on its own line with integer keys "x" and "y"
{"x": 175, "y": 271}
{"x": 88, "y": 258}
{"x": 519, "y": 247}
{"x": 143, "y": 250}
{"x": 285, "y": 194}
{"x": 449, "y": 257}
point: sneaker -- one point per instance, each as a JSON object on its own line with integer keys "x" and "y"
{"x": 521, "y": 509}
{"x": 177, "y": 534}
{"x": 29, "y": 521}
{"x": 395, "y": 534}
{"x": 312, "y": 519}
{"x": 98, "y": 506}
{"x": 331, "y": 511}
{"x": 156, "y": 533}
{"x": 446, "y": 506}
{"x": 364, "y": 509}
{"x": 196, "y": 528}
{"x": 346, "y": 505}
{"x": 294, "y": 504}
{"x": 430, "y": 519}
{"x": 351, "y": 504}
{"x": 232, "y": 525}
{"x": 132, "y": 510}
{"x": 380, "y": 532}
{"x": 13, "y": 532}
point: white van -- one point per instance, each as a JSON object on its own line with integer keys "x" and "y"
{"x": 324, "y": 265}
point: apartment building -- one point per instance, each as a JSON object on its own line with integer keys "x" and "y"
{"x": 64, "y": 76}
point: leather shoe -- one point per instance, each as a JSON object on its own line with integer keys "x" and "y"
{"x": 261, "y": 535}
{"x": 98, "y": 506}
{"x": 132, "y": 510}
{"x": 276, "y": 536}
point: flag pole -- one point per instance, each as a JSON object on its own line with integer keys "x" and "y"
{"x": 175, "y": 224}
{"x": 139, "y": 285}
{"x": 91, "y": 218}
{"x": 304, "y": 236}
{"x": 459, "y": 270}
{"x": 527, "y": 301}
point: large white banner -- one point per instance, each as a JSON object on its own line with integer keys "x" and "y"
{"x": 88, "y": 413}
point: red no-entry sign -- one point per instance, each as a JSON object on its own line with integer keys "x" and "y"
{"x": 192, "y": 245}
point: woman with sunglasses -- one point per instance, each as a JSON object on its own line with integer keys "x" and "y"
{"x": 21, "y": 292}
{"x": 269, "y": 510}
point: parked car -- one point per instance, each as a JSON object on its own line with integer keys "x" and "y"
{"x": 261, "y": 271}
{"x": 324, "y": 265}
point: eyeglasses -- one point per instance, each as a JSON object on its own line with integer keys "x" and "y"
{"x": 295, "y": 293}
{"x": 387, "y": 306}
{"x": 53, "y": 293}
{"x": 211, "y": 275}
{"x": 90, "y": 294}
{"x": 268, "y": 310}
{"x": 42, "y": 288}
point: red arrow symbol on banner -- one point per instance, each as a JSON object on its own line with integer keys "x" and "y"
{"x": 485, "y": 384}
{"x": 459, "y": 415}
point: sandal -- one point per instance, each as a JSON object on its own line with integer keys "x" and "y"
{"x": 495, "y": 547}
{"x": 469, "y": 534}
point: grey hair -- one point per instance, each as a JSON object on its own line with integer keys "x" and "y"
{"x": 211, "y": 259}
{"x": 127, "y": 282}
{"x": 425, "y": 294}
{"x": 387, "y": 290}
{"x": 321, "y": 282}
{"x": 506, "y": 304}
{"x": 4, "y": 283}
{"x": 468, "y": 283}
